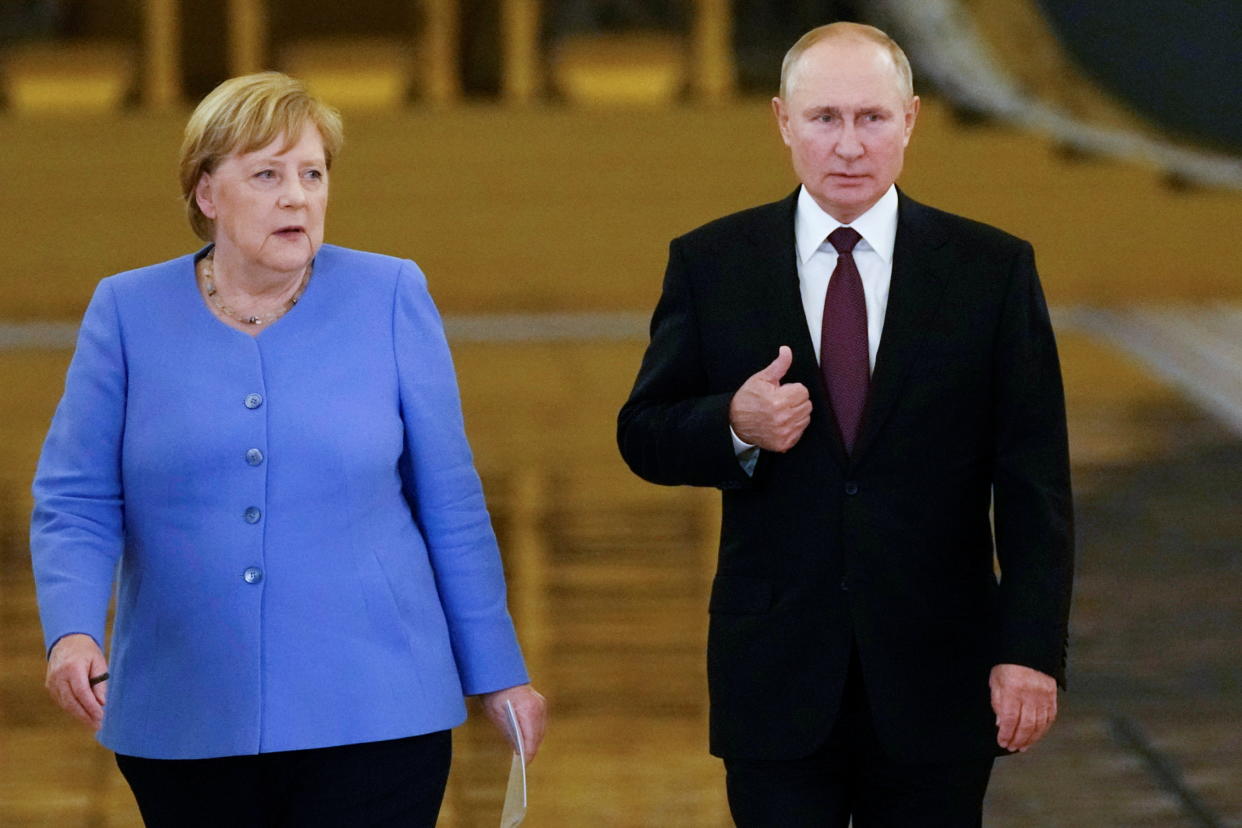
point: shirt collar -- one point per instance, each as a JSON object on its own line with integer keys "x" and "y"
{"x": 877, "y": 226}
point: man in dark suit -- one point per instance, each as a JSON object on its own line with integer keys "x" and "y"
{"x": 875, "y": 386}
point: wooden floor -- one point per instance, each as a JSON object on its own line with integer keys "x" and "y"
{"x": 608, "y": 585}
{"x": 549, "y": 210}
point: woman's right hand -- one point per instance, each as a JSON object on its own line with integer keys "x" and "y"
{"x": 74, "y": 660}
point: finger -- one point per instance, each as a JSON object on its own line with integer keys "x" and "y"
{"x": 65, "y": 698}
{"x": 100, "y": 690}
{"x": 81, "y": 690}
{"x": 533, "y": 727}
{"x": 794, "y": 393}
{"x": 1006, "y": 718}
{"x": 1042, "y": 724}
{"x": 777, "y": 368}
{"x": 1025, "y": 729}
{"x": 531, "y": 737}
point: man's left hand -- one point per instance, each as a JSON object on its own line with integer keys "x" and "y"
{"x": 1025, "y": 701}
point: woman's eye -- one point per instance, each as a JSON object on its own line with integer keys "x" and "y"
{"x": 265, "y": 174}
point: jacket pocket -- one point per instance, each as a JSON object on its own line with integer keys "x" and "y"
{"x": 740, "y": 595}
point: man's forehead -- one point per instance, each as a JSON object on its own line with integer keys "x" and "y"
{"x": 851, "y": 78}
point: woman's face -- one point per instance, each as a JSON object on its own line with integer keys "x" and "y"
{"x": 268, "y": 205}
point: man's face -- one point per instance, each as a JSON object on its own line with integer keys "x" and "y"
{"x": 846, "y": 121}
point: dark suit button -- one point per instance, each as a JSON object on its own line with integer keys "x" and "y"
{"x": 254, "y": 457}
{"x": 851, "y": 488}
{"x": 253, "y": 400}
{"x": 845, "y": 584}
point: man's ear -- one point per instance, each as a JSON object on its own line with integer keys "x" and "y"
{"x": 911, "y": 115}
{"x": 782, "y": 118}
{"x": 203, "y": 196}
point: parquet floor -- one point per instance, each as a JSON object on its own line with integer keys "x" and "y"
{"x": 608, "y": 585}
{"x": 550, "y": 210}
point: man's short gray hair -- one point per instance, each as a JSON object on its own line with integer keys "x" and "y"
{"x": 852, "y": 31}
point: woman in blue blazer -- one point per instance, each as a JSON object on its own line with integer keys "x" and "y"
{"x": 266, "y": 437}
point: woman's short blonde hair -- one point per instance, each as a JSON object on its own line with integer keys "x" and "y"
{"x": 244, "y": 114}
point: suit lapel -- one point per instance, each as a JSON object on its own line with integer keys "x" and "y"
{"x": 921, "y": 267}
{"x": 786, "y": 320}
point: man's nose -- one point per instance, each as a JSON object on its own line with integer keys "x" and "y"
{"x": 848, "y": 146}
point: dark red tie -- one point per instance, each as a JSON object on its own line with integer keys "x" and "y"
{"x": 843, "y": 354}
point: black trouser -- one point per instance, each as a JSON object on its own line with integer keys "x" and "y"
{"x": 850, "y": 776}
{"x": 369, "y": 785}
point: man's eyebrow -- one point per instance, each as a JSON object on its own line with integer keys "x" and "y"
{"x": 870, "y": 109}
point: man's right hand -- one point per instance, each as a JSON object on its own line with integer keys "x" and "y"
{"x": 770, "y": 415}
{"x": 76, "y": 659}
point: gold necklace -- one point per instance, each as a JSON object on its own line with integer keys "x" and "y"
{"x": 209, "y": 287}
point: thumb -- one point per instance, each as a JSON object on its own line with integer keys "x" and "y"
{"x": 778, "y": 366}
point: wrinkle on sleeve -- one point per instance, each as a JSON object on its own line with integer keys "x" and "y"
{"x": 77, "y": 527}
{"x": 446, "y": 496}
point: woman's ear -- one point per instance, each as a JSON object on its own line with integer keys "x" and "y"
{"x": 203, "y": 195}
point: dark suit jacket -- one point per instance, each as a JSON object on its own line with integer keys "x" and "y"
{"x": 890, "y": 548}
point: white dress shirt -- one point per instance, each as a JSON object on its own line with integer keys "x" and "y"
{"x": 817, "y": 258}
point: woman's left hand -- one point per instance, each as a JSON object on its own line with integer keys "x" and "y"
{"x": 531, "y": 709}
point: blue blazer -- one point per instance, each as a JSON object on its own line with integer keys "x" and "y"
{"x": 305, "y": 557}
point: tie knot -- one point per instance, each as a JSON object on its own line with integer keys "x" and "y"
{"x": 844, "y": 239}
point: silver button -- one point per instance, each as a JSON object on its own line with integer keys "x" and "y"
{"x": 253, "y": 400}
{"x": 254, "y": 457}
{"x": 252, "y": 575}
{"x": 252, "y": 514}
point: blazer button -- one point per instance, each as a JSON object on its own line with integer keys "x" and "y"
{"x": 253, "y": 400}
{"x": 252, "y": 515}
{"x": 851, "y": 488}
{"x": 254, "y": 457}
{"x": 252, "y": 575}
{"x": 845, "y": 584}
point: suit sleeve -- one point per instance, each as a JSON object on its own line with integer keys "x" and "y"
{"x": 674, "y": 429}
{"x": 1033, "y": 510}
{"x": 76, "y": 529}
{"x": 446, "y": 495}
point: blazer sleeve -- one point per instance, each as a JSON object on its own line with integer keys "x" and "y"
{"x": 674, "y": 429}
{"x": 446, "y": 496}
{"x": 76, "y": 531}
{"x": 1033, "y": 509}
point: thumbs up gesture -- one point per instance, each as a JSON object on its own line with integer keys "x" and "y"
{"x": 768, "y": 414}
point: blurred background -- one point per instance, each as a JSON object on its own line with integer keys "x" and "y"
{"x": 535, "y": 158}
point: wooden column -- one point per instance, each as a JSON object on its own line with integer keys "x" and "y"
{"x": 520, "y": 65}
{"x": 441, "y": 81}
{"x": 713, "y": 77}
{"x": 161, "y": 70}
{"x": 247, "y": 36}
